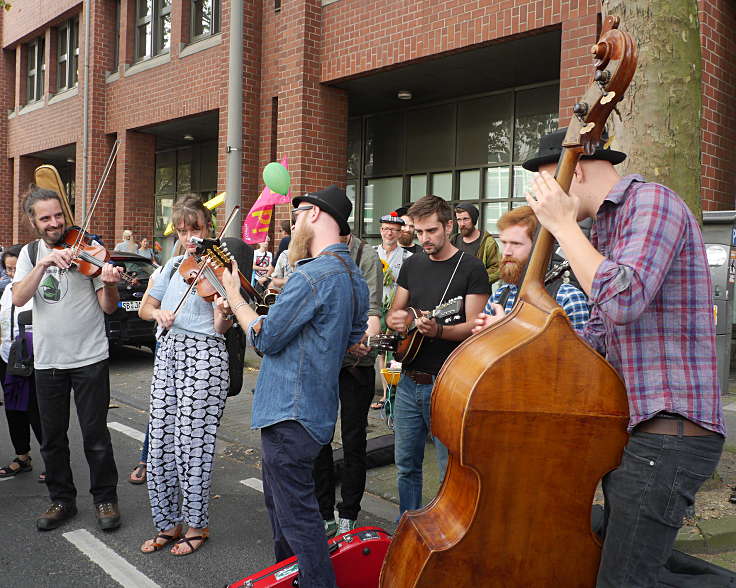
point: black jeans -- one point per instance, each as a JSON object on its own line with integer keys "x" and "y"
{"x": 288, "y": 487}
{"x": 356, "y": 392}
{"x": 646, "y": 498}
{"x": 91, "y": 385}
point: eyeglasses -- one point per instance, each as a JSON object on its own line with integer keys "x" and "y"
{"x": 389, "y": 230}
{"x": 299, "y": 209}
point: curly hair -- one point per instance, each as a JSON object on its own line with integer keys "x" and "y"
{"x": 35, "y": 194}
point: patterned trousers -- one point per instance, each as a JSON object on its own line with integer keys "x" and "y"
{"x": 188, "y": 392}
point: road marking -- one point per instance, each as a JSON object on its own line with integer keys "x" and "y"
{"x": 6, "y": 479}
{"x": 731, "y": 406}
{"x": 254, "y": 483}
{"x": 112, "y": 564}
{"x": 129, "y": 431}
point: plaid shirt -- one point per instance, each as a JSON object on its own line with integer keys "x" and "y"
{"x": 652, "y": 304}
{"x": 572, "y": 301}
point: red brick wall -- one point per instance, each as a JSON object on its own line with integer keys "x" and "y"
{"x": 576, "y": 64}
{"x": 135, "y": 180}
{"x": 7, "y": 92}
{"x": 22, "y": 176}
{"x": 717, "y": 25}
{"x": 28, "y": 16}
{"x": 360, "y": 36}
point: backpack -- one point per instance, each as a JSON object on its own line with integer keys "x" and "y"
{"x": 235, "y": 343}
{"x": 20, "y": 357}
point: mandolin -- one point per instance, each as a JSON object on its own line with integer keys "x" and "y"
{"x": 447, "y": 313}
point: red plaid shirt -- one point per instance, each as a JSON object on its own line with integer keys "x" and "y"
{"x": 652, "y": 314}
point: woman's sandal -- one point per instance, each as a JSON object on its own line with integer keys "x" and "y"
{"x": 138, "y": 475}
{"x": 202, "y": 538}
{"x": 378, "y": 405}
{"x": 8, "y": 471}
{"x": 156, "y": 546}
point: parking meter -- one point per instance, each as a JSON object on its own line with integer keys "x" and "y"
{"x": 719, "y": 233}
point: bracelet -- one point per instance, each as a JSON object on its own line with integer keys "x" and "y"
{"x": 238, "y": 305}
{"x": 439, "y": 331}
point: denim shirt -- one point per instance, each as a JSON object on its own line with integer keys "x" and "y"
{"x": 321, "y": 312}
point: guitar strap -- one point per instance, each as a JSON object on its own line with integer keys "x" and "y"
{"x": 457, "y": 265}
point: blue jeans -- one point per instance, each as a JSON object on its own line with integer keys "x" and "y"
{"x": 411, "y": 426}
{"x": 646, "y": 498}
{"x": 288, "y": 488}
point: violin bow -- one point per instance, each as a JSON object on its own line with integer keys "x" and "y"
{"x": 205, "y": 260}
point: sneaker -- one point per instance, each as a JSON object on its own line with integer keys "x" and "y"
{"x": 330, "y": 528}
{"x": 345, "y": 525}
{"x": 56, "y": 514}
{"x": 108, "y": 515}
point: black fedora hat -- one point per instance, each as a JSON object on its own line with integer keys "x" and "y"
{"x": 550, "y": 149}
{"x": 334, "y": 201}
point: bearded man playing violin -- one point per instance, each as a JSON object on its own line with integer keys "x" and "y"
{"x": 70, "y": 352}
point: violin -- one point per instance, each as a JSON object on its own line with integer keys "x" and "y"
{"x": 88, "y": 256}
{"x": 205, "y": 269}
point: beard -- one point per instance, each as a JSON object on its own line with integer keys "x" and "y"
{"x": 511, "y": 269}
{"x": 406, "y": 239}
{"x": 301, "y": 240}
{"x": 467, "y": 231}
{"x": 50, "y": 236}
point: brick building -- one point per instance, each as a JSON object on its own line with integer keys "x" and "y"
{"x": 391, "y": 99}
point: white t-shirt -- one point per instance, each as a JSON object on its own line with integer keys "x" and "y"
{"x": 68, "y": 323}
{"x": 6, "y": 338}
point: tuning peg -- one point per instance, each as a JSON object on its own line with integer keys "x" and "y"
{"x": 602, "y": 76}
{"x": 587, "y": 128}
{"x": 581, "y": 109}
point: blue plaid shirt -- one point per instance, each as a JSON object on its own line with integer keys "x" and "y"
{"x": 572, "y": 301}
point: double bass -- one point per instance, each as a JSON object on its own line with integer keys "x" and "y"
{"x": 532, "y": 418}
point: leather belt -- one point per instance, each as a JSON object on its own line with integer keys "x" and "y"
{"x": 421, "y": 378}
{"x": 673, "y": 425}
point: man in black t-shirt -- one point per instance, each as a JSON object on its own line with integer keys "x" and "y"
{"x": 426, "y": 281}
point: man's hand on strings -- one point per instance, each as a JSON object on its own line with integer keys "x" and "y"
{"x": 110, "y": 274}
{"x": 483, "y": 321}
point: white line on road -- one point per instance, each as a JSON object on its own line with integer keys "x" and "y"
{"x": 113, "y": 565}
{"x": 6, "y": 479}
{"x": 254, "y": 483}
{"x": 731, "y": 406}
{"x": 129, "y": 431}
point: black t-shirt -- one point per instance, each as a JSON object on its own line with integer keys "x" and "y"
{"x": 426, "y": 281}
{"x": 469, "y": 248}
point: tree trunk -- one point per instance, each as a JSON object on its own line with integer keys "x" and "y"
{"x": 660, "y": 128}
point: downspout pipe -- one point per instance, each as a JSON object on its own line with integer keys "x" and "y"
{"x": 235, "y": 115}
{"x": 85, "y": 107}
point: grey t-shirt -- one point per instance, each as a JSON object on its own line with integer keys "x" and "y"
{"x": 68, "y": 323}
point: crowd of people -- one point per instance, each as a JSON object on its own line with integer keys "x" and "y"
{"x": 632, "y": 290}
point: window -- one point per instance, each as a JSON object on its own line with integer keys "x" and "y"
{"x": 35, "y": 51}
{"x": 467, "y": 150}
{"x": 152, "y": 27}
{"x": 67, "y": 55}
{"x": 205, "y": 18}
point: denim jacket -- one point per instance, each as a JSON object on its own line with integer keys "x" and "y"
{"x": 321, "y": 312}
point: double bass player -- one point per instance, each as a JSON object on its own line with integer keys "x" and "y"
{"x": 646, "y": 275}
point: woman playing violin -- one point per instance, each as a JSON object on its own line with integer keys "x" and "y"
{"x": 188, "y": 392}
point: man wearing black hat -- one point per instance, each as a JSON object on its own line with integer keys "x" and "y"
{"x": 320, "y": 313}
{"x": 473, "y": 241}
{"x": 646, "y": 275}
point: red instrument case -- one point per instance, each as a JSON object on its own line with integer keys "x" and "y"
{"x": 357, "y": 557}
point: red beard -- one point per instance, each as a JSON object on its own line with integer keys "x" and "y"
{"x": 511, "y": 269}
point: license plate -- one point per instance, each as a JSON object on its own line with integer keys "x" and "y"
{"x": 131, "y": 305}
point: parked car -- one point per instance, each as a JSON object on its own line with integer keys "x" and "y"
{"x": 124, "y": 326}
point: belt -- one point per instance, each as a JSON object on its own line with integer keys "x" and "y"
{"x": 422, "y": 378}
{"x": 673, "y": 425}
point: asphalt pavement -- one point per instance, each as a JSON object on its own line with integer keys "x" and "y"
{"x": 79, "y": 554}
